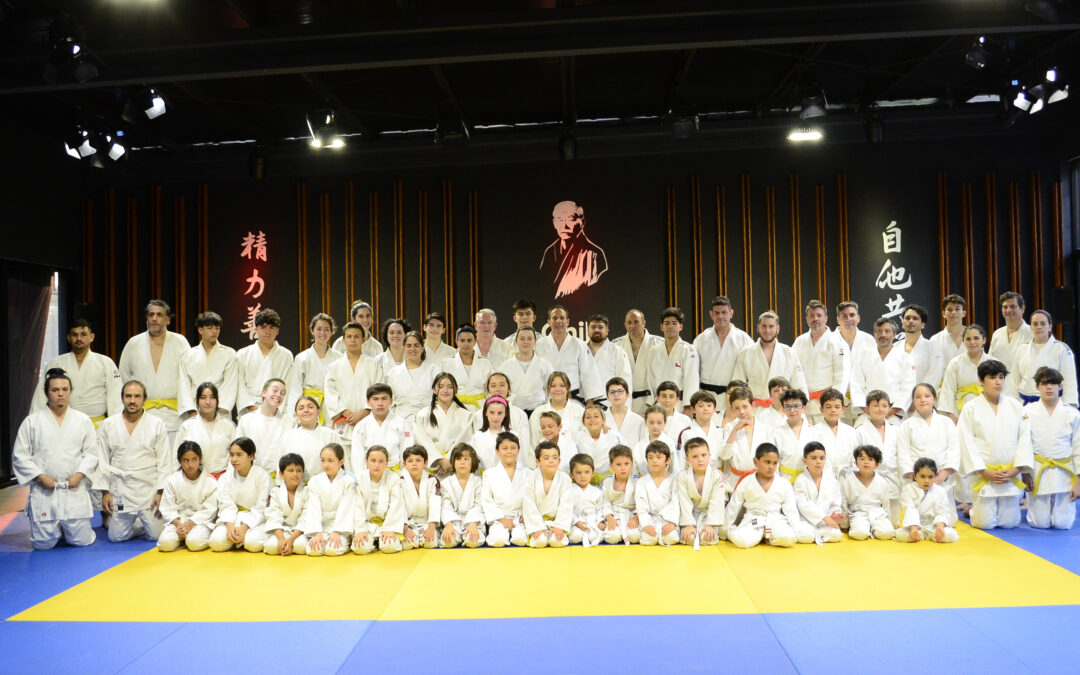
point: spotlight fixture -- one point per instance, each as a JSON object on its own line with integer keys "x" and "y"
{"x": 323, "y": 130}
{"x": 110, "y": 146}
{"x": 978, "y": 57}
{"x": 1049, "y": 90}
{"x": 1022, "y": 101}
{"x": 813, "y": 101}
{"x": 147, "y": 104}
{"x": 805, "y": 134}
{"x": 685, "y": 126}
{"x": 78, "y": 143}
{"x": 1059, "y": 95}
{"x": 69, "y": 61}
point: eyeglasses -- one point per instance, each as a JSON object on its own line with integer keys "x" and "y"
{"x": 793, "y": 406}
{"x": 616, "y": 392}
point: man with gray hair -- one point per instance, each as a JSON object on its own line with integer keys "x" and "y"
{"x": 487, "y": 345}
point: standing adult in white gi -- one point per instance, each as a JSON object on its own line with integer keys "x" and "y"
{"x": 718, "y": 348}
{"x": 610, "y": 360}
{"x": 55, "y": 451}
{"x": 209, "y": 361}
{"x": 307, "y": 377}
{"x": 768, "y": 358}
{"x": 883, "y": 368}
{"x": 821, "y": 354}
{"x": 855, "y": 340}
{"x": 927, "y": 361}
{"x": 95, "y": 379}
{"x": 675, "y": 360}
{"x": 347, "y": 382}
{"x": 570, "y": 355}
{"x": 637, "y": 343}
{"x": 487, "y": 344}
{"x": 136, "y": 460}
{"x": 153, "y": 358}
{"x": 1006, "y": 341}
{"x": 1043, "y": 350}
{"x": 261, "y": 361}
{"x": 949, "y": 342}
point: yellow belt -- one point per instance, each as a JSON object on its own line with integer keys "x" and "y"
{"x": 998, "y": 467}
{"x": 598, "y": 478}
{"x": 471, "y": 399}
{"x": 1048, "y": 462}
{"x": 396, "y": 468}
{"x": 794, "y": 473}
{"x": 973, "y": 389}
{"x": 549, "y": 518}
{"x": 160, "y": 403}
{"x": 98, "y": 420}
{"x": 377, "y": 520}
{"x": 242, "y": 508}
{"x": 319, "y": 395}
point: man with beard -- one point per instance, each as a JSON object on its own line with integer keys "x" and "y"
{"x": 611, "y": 361}
{"x": 768, "y": 358}
{"x": 153, "y": 358}
{"x": 95, "y": 380}
{"x": 884, "y": 368}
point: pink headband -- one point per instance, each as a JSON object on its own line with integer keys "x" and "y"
{"x": 497, "y": 399}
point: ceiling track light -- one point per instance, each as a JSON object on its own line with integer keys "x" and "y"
{"x": 147, "y": 104}
{"x": 805, "y": 135}
{"x": 323, "y": 130}
{"x": 70, "y": 62}
{"x": 101, "y": 149}
{"x": 979, "y": 56}
{"x": 813, "y": 102}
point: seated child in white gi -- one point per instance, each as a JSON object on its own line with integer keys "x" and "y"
{"x": 502, "y": 494}
{"x": 817, "y": 494}
{"x": 423, "y": 501}
{"x": 657, "y": 503}
{"x": 619, "y": 488}
{"x": 655, "y": 422}
{"x": 462, "y": 513}
{"x": 701, "y": 497}
{"x": 551, "y": 429}
{"x": 548, "y": 505}
{"x": 667, "y": 398}
{"x": 285, "y": 513}
{"x": 383, "y": 427}
{"x": 926, "y": 506}
{"x": 495, "y": 414}
{"x": 188, "y": 503}
{"x": 867, "y": 496}
{"x": 769, "y": 502}
{"x": 242, "y": 494}
{"x": 594, "y": 438}
{"x": 588, "y": 503}
{"x": 1055, "y": 440}
{"x": 380, "y": 508}
{"x": 837, "y": 436}
{"x": 770, "y": 412}
{"x": 741, "y": 437}
{"x": 328, "y": 518}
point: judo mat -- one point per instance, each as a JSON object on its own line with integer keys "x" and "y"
{"x": 993, "y": 602}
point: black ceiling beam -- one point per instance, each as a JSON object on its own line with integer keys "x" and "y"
{"x": 426, "y": 41}
{"x": 672, "y": 95}
{"x": 792, "y": 77}
{"x": 880, "y": 86}
{"x": 223, "y": 113}
{"x": 449, "y": 98}
{"x": 567, "y": 78}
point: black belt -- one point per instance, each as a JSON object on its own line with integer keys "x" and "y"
{"x": 576, "y": 395}
{"x": 714, "y": 388}
{"x": 640, "y": 394}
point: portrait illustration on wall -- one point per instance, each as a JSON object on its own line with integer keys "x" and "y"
{"x": 574, "y": 260}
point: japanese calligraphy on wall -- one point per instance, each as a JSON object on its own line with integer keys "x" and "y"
{"x": 253, "y": 248}
{"x": 893, "y": 276}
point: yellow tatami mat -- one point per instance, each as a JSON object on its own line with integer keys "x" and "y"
{"x": 601, "y": 581}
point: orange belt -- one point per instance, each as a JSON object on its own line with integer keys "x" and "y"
{"x": 218, "y": 474}
{"x": 741, "y": 475}
{"x": 816, "y": 395}
{"x": 763, "y": 402}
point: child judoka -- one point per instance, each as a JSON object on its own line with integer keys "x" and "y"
{"x": 188, "y": 502}
{"x": 1055, "y": 440}
{"x": 588, "y": 503}
{"x": 502, "y": 494}
{"x": 867, "y": 497}
{"x": 701, "y": 497}
{"x": 657, "y": 503}
{"x": 620, "y": 521}
{"x": 771, "y": 513}
{"x": 817, "y": 494}
{"x": 927, "y": 507}
{"x": 379, "y": 518}
{"x": 423, "y": 500}
{"x": 286, "y": 509}
{"x": 462, "y": 513}
{"x": 548, "y": 505}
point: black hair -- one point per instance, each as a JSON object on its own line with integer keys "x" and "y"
{"x": 288, "y": 459}
{"x": 764, "y": 449}
{"x": 924, "y": 463}
{"x": 991, "y": 367}
{"x": 871, "y": 451}
{"x": 245, "y": 444}
{"x": 812, "y": 446}
{"x": 545, "y": 445}
{"x": 186, "y": 447}
{"x": 659, "y": 447}
{"x": 56, "y": 374}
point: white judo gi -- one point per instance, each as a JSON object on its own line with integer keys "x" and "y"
{"x": 680, "y": 365}
{"x": 57, "y": 450}
{"x": 308, "y": 443}
{"x": 641, "y": 464}
{"x": 639, "y": 368}
{"x": 394, "y": 434}
{"x": 462, "y": 506}
{"x": 308, "y": 377}
{"x": 280, "y": 515}
{"x": 621, "y": 505}
{"x": 380, "y": 509}
{"x": 519, "y": 425}
{"x": 1055, "y": 441}
{"x": 498, "y": 351}
{"x": 716, "y": 361}
{"x": 588, "y": 509}
{"x": 214, "y": 438}
{"x": 452, "y": 426}
{"x": 823, "y": 366}
{"x": 436, "y": 357}
{"x": 218, "y": 367}
{"x": 895, "y": 375}
{"x": 928, "y": 362}
{"x": 194, "y": 500}
{"x": 935, "y": 439}
{"x": 657, "y": 505}
{"x": 816, "y": 501}
{"x": 242, "y": 501}
{"x": 471, "y": 379}
{"x": 371, "y": 347}
{"x": 134, "y": 466}
{"x": 947, "y": 350}
{"x": 502, "y": 497}
{"x": 528, "y": 381}
{"x": 996, "y": 442}
{"x": 95, "y": 385}
{"x": 543, "y": 510}
{"x": 611, "y": 361}
{"x": 1053, "y": 354}
{"x": 752, "y": 368}
{"x": 598, "y": 449}
{"x": 346, "y": 389}
{"x": 423, "y": 506}
{"x": 767, "y": 515}
{"x": 570, "y": 415}
{"x": 704, "y": 507}
{"x": 330, "y": 508}
{"x": 163, "y": 384}
{"x": 268, "y": 432}
{"x": 1007, "y": 349}
{"x": 791, "y": 448}
{"x": 412, "y": 388}
{"x": 254, "y": 369}
{"x": 736, "y": 452}
{"x": 925, "y": 509}
{"x": 632, "y": 428}
{"x": 960, "y": 383}
{"x": 840, "y": 444}
{"x": 574, "y": 359}
{"x": 868, "y": 507}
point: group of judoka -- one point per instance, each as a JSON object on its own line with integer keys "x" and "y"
{"x": 401, "y": 441}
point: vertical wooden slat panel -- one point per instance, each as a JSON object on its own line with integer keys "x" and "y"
{"x": 842, "y": 213}
{"x": 180, "y": 273}
{"x": 399, "y": 247}
{"x": 967, "y": 240}
{"x": 721, "y": 240}
{"x": 202, "y": 216}
{"x": 770, "y": 244}
{"x": 943, "y": 240}
{"x": 88, "y": 251}
{"x": 822, "y": 247}
{"x": 424, "y": 244}
{"x": 155, "y": 243}
{"x": 991, "y": 253}
{"x": 373, "y": 248}
{"x": 747, "y": 231}
{"x": 1038, "y": 293}
{"x": 672, "y": 257}
{"x": 324, "y": 240}
{"x": 474, "y": 255}
{"x": 132, "y": 265}
{"x": 302, "y": 264}
{"x": 112, "y": 327}
{"x": 695, "y": 251}
{"x": 1058, "y": 248}
{"x": 350, "y": 246}
{"x": 448, "y": 249}
{"x": 1015, "y": 278}
{"x": 796, "y": 256}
